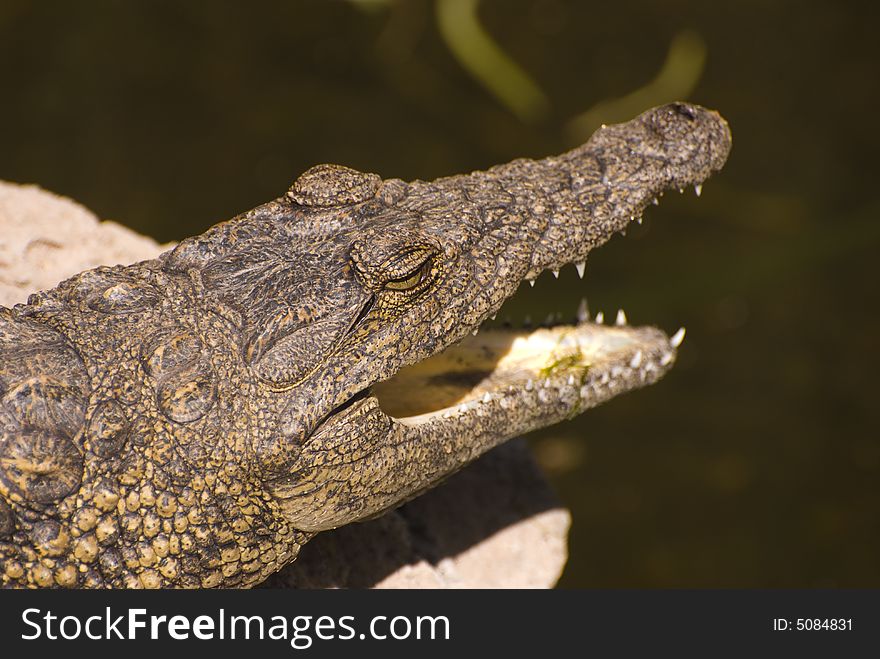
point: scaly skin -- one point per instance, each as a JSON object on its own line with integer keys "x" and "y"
{"x": 193, "y": 420}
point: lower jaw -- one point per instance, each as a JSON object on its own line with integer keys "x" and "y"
{"x": 587, "y": 362}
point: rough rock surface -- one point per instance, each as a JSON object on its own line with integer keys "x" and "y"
{"x": 495, "y": 524}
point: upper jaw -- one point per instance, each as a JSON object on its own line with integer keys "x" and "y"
{"x": 621, "y": 171}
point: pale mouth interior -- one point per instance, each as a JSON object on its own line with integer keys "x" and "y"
{"x": 508, "y": 362}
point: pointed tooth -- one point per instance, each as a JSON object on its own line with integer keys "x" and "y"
{"x": 570, "y": 380}
{"x": 581, "y": 266}
{"x": 530, "y": 384}
{"x": 655, "y": 201}
{"x": 681, "y": 191}
{"x": 476, "y": 331}
{"x": 600, "y": 318}
{"x": 698, "y": 188}
{"x": 677, "y": 338}
{"x": 621, "y": 318}
{"x": 640, "y": 219}
{"x": 493, "y": 316}
{"x": 666, "y": 358}
{"x": 583, "y": 313}
{"x": 531, "y": 282}
{"x": 487, "y": 397}
{"x": 546, "y": 383}
{"x": 636, "y": 360}
{"x": 555, "y": 273}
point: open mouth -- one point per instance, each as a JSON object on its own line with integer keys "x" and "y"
{"x": 587, "y": 361}
{"x": 519, "y": 380}
{"x": 546, "y": 373}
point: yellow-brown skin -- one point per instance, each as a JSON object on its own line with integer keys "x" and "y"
{"x": 193, "y": 420}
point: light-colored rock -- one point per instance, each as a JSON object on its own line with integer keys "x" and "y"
{"x": 495, "y": 524}
{"x": 45, "y": 238}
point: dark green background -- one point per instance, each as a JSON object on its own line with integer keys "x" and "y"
{"x": 756, "y": 461}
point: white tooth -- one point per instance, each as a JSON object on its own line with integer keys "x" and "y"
{"x": 487, "y": 397}
{"x": 640, "y": 219}
{"x": 677, "y": 338}
{"x": 555, "y": 273}
{"x": 655, "y": 201}
{"x": 605, "y": 378}
{"x": 666, "y": 358}
{"x": 581, "y": 266}
{"x": 531, "y": 282}
{"x": 476, "y": 331}
{"x": 570, "y": 380}
{"x": 448, "y": 414}
{"x": 621, "y": 317}
{"x": 546, "y": 383}
{"x": 600, "y": 318}
{"x": 530, "y": 385}
{"x": 616, "y": 371}
{"x": 582, "y": 313}
{"x": 493, "y": 316}
{"x": 698, "y": 188}
{"x": 681, "y": 191}
{"x": 636, "y": 360}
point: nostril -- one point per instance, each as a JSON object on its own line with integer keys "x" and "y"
{"x": 685, "y": 110}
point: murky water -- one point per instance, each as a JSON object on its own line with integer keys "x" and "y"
{"x": 756, "y": 461}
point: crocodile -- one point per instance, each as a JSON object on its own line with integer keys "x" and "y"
{"x": 193, "y": 420}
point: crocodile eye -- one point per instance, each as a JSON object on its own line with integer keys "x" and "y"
{"x": 412, "y": 280}
{"x": 409, "y": 270}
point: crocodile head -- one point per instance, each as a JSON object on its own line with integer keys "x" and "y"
{"x": 192, "y": 420}
{"x": 363, "y": 299}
